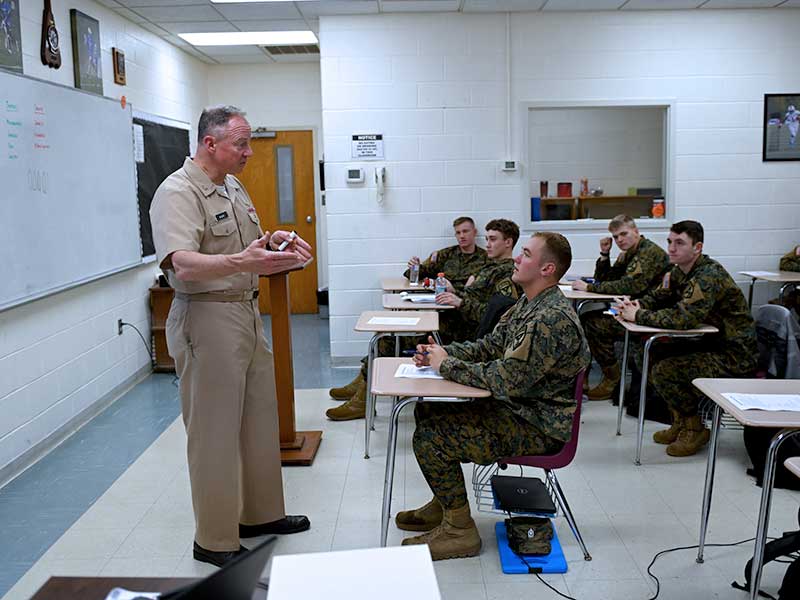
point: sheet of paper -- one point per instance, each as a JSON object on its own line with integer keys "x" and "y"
{"x": 565, "y": 288}
{"x": 761, "y": 273}
{"x": 412, "y": 372}
{"x": 422, "y": 298}
{"x": 123, "y": 594}
{"x": 138, "y": 142}
{"x": 765, "y": 401}
{"x": 393, "y": 321}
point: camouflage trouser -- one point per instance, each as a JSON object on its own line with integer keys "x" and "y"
{"x": 601, "y": 333}
{"x": 674, "y": 364}
{"x": 452, "y": 328}
{"x": 481, "y": 432}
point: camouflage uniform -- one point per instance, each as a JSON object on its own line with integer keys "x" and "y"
{"x": 460, "y": 324}
{"x": 528, "y": 363}
{"x": 455, "y": 264}
{"x": 632, "y": 274}
{"x": 706, "y": 295}
{"x": 790, "y": 261}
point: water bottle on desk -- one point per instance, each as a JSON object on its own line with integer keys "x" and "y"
{"x": 440, "y": 287}
{"x": 413, "y": 274}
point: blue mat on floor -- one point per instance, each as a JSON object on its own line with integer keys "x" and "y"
{"x": 512, "y": 564}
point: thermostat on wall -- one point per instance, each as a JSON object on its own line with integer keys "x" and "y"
{"x": 355, "y": 175}
{"x": 509, "y": 165}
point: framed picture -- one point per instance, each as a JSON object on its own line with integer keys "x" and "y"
{"x": 86, "y": 61}
{"x": 781, "y": 124}
{"x": 118, "y": 59}
{"x": 10, "y": 37}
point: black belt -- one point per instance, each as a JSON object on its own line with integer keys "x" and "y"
{"x": 241, "y": 296}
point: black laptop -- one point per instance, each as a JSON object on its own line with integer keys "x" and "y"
{"x": 522, "y": 495}
{"x": 235, "y": 581}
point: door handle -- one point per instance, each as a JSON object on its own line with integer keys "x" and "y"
{"x": 308, "y": 219}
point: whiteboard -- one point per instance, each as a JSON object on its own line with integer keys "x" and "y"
{"x": 68, "y": 207}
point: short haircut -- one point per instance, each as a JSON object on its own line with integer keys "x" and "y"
{"x": 461, "y": 220}
{"x": 215, "y": 118}
{"x": 556, "y": 250}
{"x": 621, "y": 221}
{"x": 509, "y": 229}
{"x": 691, "y": 228}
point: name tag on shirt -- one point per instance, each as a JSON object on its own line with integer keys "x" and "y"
{"x": 221, "y": 216}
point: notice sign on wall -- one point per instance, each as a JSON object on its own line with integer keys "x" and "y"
{"x": 368, "y": 146}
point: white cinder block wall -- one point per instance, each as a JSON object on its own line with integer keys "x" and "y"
{"x": 435, "y": 86}
{"x": 61, "y": 355}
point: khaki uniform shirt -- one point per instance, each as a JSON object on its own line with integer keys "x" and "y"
{"x": 189, "y": 213}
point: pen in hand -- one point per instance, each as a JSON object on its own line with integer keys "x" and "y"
{"x": 414, "y": 352}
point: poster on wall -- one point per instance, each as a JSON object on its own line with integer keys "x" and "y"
{"x": 781, "y": 124}
{"x": 10, "y": 36}
{"x": 86, "y": 62}
{"x": 367, "y": 145}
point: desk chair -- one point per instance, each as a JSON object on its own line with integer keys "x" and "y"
{"x": 482, "y": 474}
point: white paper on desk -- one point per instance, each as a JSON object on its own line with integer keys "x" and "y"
{"x": 765, "y": 401}
{"x": 565, "y": 288}
{"x": 123, "y": 594}
{"x": 422, "y": 298}
{"x": 393, "y": 321}
{"x": 762, "y": 273}
{"x": 412, "y": 372}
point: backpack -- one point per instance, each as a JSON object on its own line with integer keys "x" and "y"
{"x": 756, "y": 441}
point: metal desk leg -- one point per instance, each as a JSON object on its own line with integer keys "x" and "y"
{"x": 643, "y": 397}
{"x": 373, "y": 344}
{"x": 709, "y": 485}
{"x": 750, "y": 293}
{"x": 764, "y": 509}
{"x": 436, "y": 337}
{"x": 785, "y": 287}
{"x": 623, "y": 377}
{"x": 388, "y": 479}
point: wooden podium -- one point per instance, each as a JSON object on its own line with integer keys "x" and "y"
{"x": 297, "y": 447}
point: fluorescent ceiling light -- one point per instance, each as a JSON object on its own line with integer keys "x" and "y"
{"x": 243, "y": 1}
{"x": 250, "y": 38}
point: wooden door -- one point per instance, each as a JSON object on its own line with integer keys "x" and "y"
{"x": 280, "y": 180}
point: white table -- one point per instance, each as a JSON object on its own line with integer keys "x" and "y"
{"x": 652, "y": 334}
{"x": 786, "y": 278}
{"x": 787, "y": 422}
{"x": 384, "y": 383}
{"x": 401, "y": 284}
{"x": 398, "y": 302}
{"x": 427, "y": 322}
{"x": 397, "y": 573}
{"x": 580, "y": 298}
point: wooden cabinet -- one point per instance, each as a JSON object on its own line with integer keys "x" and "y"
{"x": 160, "y": 301}
{"x": 571, "y": 208}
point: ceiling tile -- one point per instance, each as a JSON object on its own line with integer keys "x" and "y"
{"x": 153, "y": 28}
{"x": 245, "y": 60}
{"x": 130, "y": 15}
{"x": 790, "y": 4}
{"x": 110, "y": 3}
{"x": 338, "y": 7}
{"x": 165, "y": 14}
{"x": 273, "y": 25}
{"x": 583, "y": 4}
{"x": 162, "y": 3}
{"x": 272, "y": 10}
{"x": 394, "y": 6}
{"x": 661, "y": 4}
{"x": 502, "y": 5}
{"x": 198, "y": 26}
{"x": 740, "y": 3}
{"x": 216, "y": 51}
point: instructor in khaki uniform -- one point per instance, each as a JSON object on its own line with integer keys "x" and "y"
{"x": 210, "y": 245}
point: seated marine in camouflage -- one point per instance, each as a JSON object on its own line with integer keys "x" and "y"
{"x": 696, "y": 291}
{"x": 454, "y": 325}
{"x": 791, "y": 262}
{"x": 638, "y": 268}
{"x": 528, "y": 363}
{"x": 456, "y": 262}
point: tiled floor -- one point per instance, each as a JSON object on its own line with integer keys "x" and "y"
{"x": 142, "y": 524}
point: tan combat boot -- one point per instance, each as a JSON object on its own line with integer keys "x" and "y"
{"x": 692, "y": 436}
{"x": 355, "y": 408}
{"x": 456, "y": 537}
{"x": 423, "y": 518}
{"x": 667, "y": 436}
{"x": 604, "y": 389}
{"x": 347, "y": 391}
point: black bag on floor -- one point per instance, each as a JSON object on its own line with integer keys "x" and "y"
{"x": 756, "y": 441}
{"x": 655, "y": 410}
{"x": 786, "y": 545}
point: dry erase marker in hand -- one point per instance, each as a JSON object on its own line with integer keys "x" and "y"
{"x": 285, "y": 243}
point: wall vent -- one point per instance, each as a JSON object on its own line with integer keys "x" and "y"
{"x": 301, "y": 50}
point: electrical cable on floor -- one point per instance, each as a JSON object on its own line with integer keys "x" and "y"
{"x": 149, "y": 352}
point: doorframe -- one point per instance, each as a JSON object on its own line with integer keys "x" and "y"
{"x": 320, "y": 227}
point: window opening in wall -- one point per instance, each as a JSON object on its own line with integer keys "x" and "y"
{"x": 284, "y": 171}
{"x": 594, "y": 162}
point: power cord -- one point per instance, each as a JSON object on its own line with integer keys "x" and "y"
{"x": 146, "y": 346}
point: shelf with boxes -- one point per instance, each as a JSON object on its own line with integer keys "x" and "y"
{"x": 571, "y": 208}
{"x": 160, "y": 302}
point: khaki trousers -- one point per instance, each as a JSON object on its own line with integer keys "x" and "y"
{"x": 227, "y": 389}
